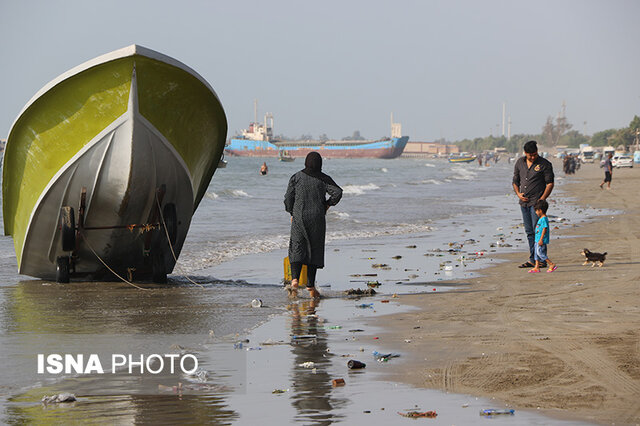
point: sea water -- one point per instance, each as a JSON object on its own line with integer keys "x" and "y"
{"x": 419, "y": 213}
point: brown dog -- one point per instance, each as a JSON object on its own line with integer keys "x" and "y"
{"x": 593, "y": 257}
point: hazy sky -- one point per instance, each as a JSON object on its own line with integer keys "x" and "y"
{"x": 443, "y": 68}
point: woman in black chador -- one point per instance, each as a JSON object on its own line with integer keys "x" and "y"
{"x": 306, "y": 201}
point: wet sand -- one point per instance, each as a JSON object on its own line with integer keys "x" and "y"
{"x": 566, "y": 343}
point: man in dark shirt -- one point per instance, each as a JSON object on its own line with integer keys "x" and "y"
{"x": 532, "y": 181}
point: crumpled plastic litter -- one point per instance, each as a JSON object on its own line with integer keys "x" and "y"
{"x": 496, "y": 412}
{"x": 384, "y": 357}
{"x": 59, "y": 398}
{"x": 417, "y": 414}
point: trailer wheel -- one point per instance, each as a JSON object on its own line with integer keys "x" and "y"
{"x": 158, "y": 271}
{"x": 67, "y": 229}
{"x": 62, "y": 269}
{"x": 171, "y": 222}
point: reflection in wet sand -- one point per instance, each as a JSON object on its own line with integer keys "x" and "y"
{"x": 123, "y": 409}
{"x": 311, "y": 388}
{"x": 109, "y": 307}
{"x": 107, "y": 318}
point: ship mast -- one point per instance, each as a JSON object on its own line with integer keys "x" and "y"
{"x": 396, "y": 129}
{"x": 255, "y": 110}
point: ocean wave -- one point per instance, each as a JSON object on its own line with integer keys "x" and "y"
{"x": 429, "y": 165}
{"x": 211, "y": 195}
{"x": 397, "y": 229}
{"x": 359, "y": 189}
{"x": 432, "y": 181}
{"x": 462, "y": 173}
{"x": 338, "y": 214}
{"x": 384, "y": 170}
{"x": 200, "y": 256}
{"x": 235, "y": 193}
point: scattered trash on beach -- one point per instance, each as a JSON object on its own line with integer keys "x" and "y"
{"x": 397, "y": 257}
{"x": 254, "y": 348}
{"x": 308, "y": 364}
{"x": 365, "y": 305}
{"x": 379, "y": 265}
{"x": 353, "y": 364}
{"x": 373, "y": 284}
{"x": 175, "y": 389}
{"x": 337, "y": 382}
{"x": 363, "y": 275}
{"x": 417, "y": 414}
{"x": 279, "y": 391}
{"x": 412, "y": 246}
{"x": 303, "y": 336}
{"x": 59, "y": 398}
{"x": 200, "y": 375}
{"x": 384, "y": 301}
{"x": 356, "y": 330}
{"x": 237, "y": 345}
{"x": 496, "y": 412}
{"x": 274, "y": 342}
{"x": 360, "y": 292}
{"x": 332, "y": 327}
{"x": 256, "y": 303}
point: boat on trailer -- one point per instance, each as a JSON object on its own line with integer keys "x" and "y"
{"x": 106, "y": 164}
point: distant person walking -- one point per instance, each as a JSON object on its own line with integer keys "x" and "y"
{"x": 307, "y": 203}
{"x": 532, "y": 181}
{"x": 608, "y": 171}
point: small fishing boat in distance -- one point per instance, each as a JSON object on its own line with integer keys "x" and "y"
{"x": 284, "y": 156}
{"x": 106, "y": 164}
{"x": 463, "y": 157}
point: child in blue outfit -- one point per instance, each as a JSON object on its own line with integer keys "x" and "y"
{"x": 542, "y": 238}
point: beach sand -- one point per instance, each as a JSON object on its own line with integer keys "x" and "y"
{"x": 566, "y": 343}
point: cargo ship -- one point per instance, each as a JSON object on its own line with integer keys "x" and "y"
{"x": 258, "y": 141}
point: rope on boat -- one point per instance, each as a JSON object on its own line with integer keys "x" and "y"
{"x": 86, "y": 240}
{"x": 173, "y": 253}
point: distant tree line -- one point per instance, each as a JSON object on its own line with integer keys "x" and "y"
{"x": 556, "y": 132}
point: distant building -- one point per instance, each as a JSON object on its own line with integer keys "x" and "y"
{"x": 429, "y": 149}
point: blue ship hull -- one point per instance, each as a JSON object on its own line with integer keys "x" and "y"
{"x": 389, "y": 148}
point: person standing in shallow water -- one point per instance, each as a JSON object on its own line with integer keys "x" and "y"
{"x": 532, "y": 181}
{"x": 307, "y": 203}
